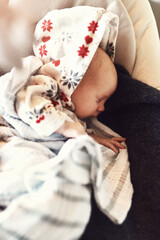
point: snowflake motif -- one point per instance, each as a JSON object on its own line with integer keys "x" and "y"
{"x": 64, "y": 37}
{"x": 93, "y": 26}
{"x": 35, "y": 113}
{"x": 85, "y": 67}
{"x": 101, "y": 11}
{"x": 51, "y": 93}
{"x": 83, "y": 51}
{"x": 110, "y": 50}
{"x": 72, "y": 80}
{"x": 42, "y": 50}
{"x": 46, "y": 25}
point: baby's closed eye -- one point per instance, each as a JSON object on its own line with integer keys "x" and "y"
{"x": 99, "y": 100}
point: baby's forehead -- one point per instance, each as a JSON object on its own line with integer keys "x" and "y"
{"x": 99, "y": 60}
{"x": 100, "y": 65}
{"x": 100, "y": 55}
{"x": 101, "y": 73}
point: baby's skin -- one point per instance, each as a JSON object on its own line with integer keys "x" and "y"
{"x": 96, "y": 87}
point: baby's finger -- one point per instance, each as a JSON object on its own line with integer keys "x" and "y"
{"x": 117, "y": 144}
{"x": 112, "y": 147}
{"x": 119, "y": 139}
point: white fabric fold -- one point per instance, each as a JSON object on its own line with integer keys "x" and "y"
{"x": 58, "y": 200}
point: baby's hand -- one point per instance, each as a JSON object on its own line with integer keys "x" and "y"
{"x": 112, "y": 143}
{"x": 71, "y": 129}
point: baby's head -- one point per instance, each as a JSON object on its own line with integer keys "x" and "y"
{"x": 72, "y": 51}
{"x": 97, "y": 85}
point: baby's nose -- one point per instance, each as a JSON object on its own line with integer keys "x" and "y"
{"x": 101, "y": 108}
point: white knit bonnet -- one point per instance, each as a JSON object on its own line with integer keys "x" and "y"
{"x": 69, "y": 38}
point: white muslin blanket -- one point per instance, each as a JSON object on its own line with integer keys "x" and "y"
{"x": 46, "y": 184}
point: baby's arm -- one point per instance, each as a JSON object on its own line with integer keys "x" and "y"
{"x": 114, "y": 143}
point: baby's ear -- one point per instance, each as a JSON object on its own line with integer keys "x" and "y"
{"x": 49, "y": 70}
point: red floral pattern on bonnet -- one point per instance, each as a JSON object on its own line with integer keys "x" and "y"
{"x": 46, "y": 25}
{"x": 56, "y": 63}
{"x": 83, "y": 51}
{"x": 46, "y": 39}
{"x": 93, "y": 26}
{"x": 88, "y": 39}
{"x": 42, "y": 50}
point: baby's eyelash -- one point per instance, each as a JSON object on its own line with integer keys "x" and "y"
{"x": 98, "y": 100}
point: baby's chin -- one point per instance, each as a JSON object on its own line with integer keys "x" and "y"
{"x": 84, "y": 116}
{"x": 93, "y": 115}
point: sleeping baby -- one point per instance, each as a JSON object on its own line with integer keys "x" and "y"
{"x": 77, "y": 76}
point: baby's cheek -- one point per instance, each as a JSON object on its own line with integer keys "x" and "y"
{"x": 82, "y": 112}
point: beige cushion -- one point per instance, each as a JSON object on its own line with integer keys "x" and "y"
{"x": 147, "y": 64}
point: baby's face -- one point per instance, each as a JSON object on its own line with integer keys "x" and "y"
{"x": 97, "y": 85}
